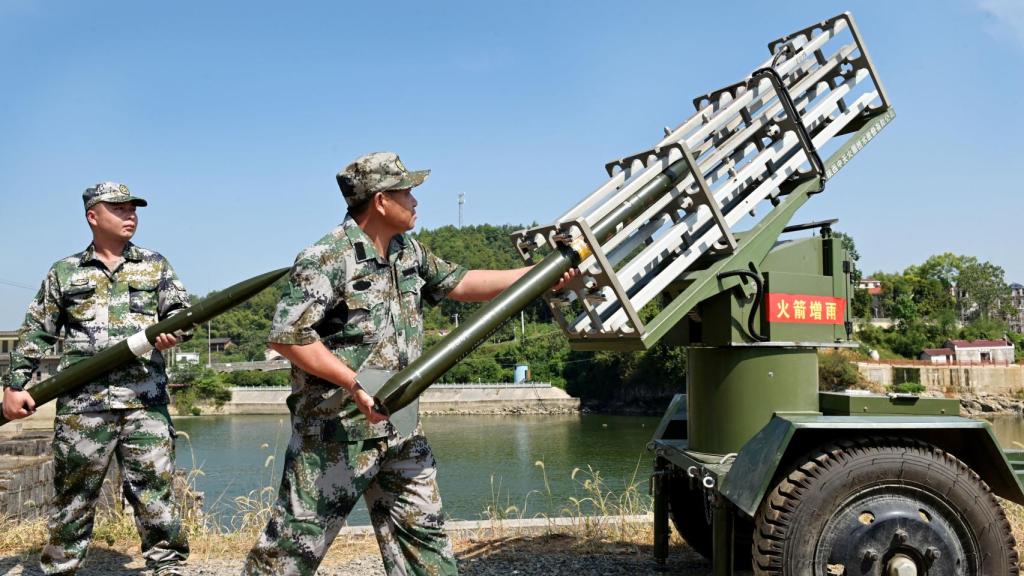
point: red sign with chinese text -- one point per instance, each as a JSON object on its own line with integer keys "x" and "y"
{"x": 805, "y": 308}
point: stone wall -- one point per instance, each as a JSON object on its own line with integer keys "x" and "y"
{"x": 26, "y": 475}
{"x": 954, "y": 380}
{"x": 446, "y": 399}
{"x": 511, "y": 399}
{"x": 26, "y": 479}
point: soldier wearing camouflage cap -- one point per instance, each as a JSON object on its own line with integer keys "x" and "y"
{"x": 354, "y": 305}
{"x": 93, "y": 299}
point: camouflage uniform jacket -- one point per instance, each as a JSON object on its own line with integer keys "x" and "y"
{"x": 367, "y": 311}
{"x": 94, "y": 308}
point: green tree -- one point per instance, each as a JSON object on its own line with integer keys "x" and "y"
{"x": 481, "y": 246}
{"x": 979, "y": 288}
{"x": 195, "y": 385}
{"x": 904, "y": 310}
{"x": 985, "y": 329}
{"x": 982, "y": 285}
{"x": 861, "y": 306}
{"x": 942, "y": 267}
{"x": 852, "y": 255}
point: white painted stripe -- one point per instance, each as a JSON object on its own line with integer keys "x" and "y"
{"x": 139, "y": 344}
{"x": 523, "y": 524}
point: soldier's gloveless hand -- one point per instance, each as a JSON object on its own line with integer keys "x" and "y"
{"x": 18, "y": 404}
{"x": 365, "y": 403}
{"x": 165, "y": 341}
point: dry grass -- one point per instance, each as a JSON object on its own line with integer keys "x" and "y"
{"x": 590, "y": 519}
{"x": 1015, "y": 513}
{"x": 583, "y": 523}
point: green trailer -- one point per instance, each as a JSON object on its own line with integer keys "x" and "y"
{"x": 753, "y": 465}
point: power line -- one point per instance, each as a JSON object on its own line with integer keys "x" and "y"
{"x": 14, "y": 284}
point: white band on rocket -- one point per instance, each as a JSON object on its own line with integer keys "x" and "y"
{"x": 139, "y": 344}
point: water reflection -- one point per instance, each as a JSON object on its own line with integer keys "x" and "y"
{"x": 482, "y": 460}
{"x": 1009, "y": 430}
{"x": 471, "y": 450}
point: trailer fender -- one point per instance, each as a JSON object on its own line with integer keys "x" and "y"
{"x": 787, "y": 437}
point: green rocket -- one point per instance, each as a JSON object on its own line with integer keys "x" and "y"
{"x": 142, "y": 342}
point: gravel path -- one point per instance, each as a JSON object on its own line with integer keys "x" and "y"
{"x": 521, "y": 561}
{"x": 530, "y": 548}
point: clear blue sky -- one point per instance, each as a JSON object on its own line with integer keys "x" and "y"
{"x": 232, "y": 118}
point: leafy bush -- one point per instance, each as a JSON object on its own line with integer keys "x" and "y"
{"x": 257, "y": 379}
{"x": 836, "y": 372}
{"x": 908, "y": 388}
{"x": 198, "y": 384}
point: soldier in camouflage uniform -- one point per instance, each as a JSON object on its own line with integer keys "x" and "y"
{"x": 354, "y": 302}
{"x": 95, "y": 299}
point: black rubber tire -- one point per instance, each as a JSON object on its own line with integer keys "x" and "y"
{"x": 802, "y": 524}
{"x": 690, "y": 518}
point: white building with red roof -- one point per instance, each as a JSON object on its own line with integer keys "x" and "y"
{"x": 982, "y": 351}
{"x": 938, "y": 355}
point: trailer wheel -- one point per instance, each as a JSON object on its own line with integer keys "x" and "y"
{"x": 691, "y": 515}
{"x": 882, "y": 506}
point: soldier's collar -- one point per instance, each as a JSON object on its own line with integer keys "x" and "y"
{"x": 89, "y": 254}
{"x": 361, "y": 243}
{"x": 365, "y": 248}
{"x": 130, "y": 252}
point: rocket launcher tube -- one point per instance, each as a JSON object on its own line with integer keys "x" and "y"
{"x": 408, "y": 384}
{"x": 80, "y": 373}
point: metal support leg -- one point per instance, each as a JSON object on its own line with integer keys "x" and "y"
{"x": 661, "y": 529}
{"x": 722, "y": 542}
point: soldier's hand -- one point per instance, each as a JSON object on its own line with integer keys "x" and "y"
{"x": 165, "y": 341}
{"x": 366, "y": 404}
{"x": 18, "y": 404}
{"x": 569, "y": 275}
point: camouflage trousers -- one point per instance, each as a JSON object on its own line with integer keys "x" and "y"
{"x": 322, "y": 482}
{"x": 143, "y": 442}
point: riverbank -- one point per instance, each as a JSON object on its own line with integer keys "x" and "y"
{"x": 440, "y": 399}
{"x": 991, "y": 405}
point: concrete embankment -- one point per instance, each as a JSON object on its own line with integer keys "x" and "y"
{"x": 439, "y": 399}
{"x": 981, "y": 389}
{"x": 949, "y": 380}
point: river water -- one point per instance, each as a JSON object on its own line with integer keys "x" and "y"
{"x": 483, "y": 461}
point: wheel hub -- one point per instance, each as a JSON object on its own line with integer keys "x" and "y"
{"x": 892, "y": 531}
{"x": 901, "y": 565}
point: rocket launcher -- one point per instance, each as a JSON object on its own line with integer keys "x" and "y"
{"x": 665, "y": 221}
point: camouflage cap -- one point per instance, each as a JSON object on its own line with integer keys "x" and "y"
{"x": 376, "y": 172}
{"x": 110, "y": 192}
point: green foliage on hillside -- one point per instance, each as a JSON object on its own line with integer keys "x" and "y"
{"x": 947, "y": 297}
{"x": 475, "y": 247}
{"x": 247, "y": 325}
{"x": 254, "y": 379}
